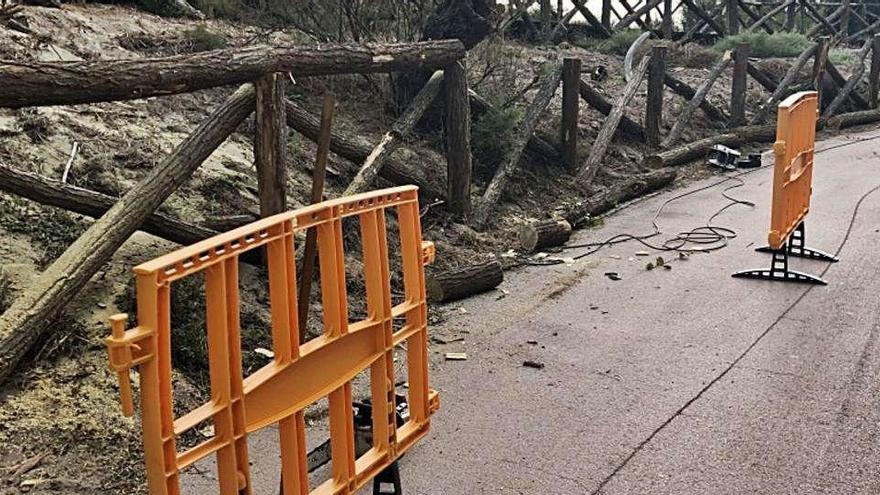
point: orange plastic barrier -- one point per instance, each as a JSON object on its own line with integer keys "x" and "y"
{"x": 299, "y": 375}
{"x": 793, "y": 172}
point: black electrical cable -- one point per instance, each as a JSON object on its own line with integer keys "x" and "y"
{"x": 703, "y": 239}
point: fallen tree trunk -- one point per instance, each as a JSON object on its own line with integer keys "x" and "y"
{"x": 685, "y": 91}
{"x": 621, "y": 192}
{"x": 547, "y": 87}
{"x": 840, "y": 81}
{"x": 94, "y": 204}
{"x": 693, "y": 151}
{"x": 845, "y": 120}
{"x": 597, "y": 101}
{"x": 597, "y": 153}
{"x": 432, "y": 183}
{"x": 685, "y": 117}
{"x": 761, "y": 77}
{"x": 63, "y": 83}
{"x": 464, "y": 282}
{"x": 789, "y": 77}
{"x": 25, "y": 322}
{"x": 539, "y": 235}
{"x": 394, "y": 138}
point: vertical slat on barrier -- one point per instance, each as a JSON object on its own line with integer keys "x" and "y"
{"x": 342, "y": 438}
{"x": 377, "y": 281}
{"x": 285, "y": 344}
{"x": 236, "y": 374}
{"x": 160, "y": 451}
{"x": 332, "y": 262}
{"x": 413, "y": 281}
{"x": 220, "y": 376}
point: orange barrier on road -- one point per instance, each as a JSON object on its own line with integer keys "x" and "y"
{"x": 299, "y": 375}
{"x": 793, "y": 171}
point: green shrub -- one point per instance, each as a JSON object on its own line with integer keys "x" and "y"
{"x": 202, "y": 40}
{"x": 842, "y": 57}
{"x": 492, "y": 134}
{"x": 767, "y": 45}
{"x": 619, "y": 42}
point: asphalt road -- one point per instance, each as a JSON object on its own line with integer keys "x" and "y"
{"x": 681, "y": 381}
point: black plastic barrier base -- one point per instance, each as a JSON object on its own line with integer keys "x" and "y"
{"x": 796, "y": 247}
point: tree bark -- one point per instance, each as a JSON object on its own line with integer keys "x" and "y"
{"x": 393, "y": 138}
{"x": 738, "y": 85}
{"x": 789, "y": 77}
{"x": 464, "y": 282}
{"x": 603, "y": 139}
{"x": 621, "y": 192}
{"x": 845, "y": 120}
{"x": 595, "y": 99}
{"x": 94, "y": 204}
{"x": 685, "y": 117}
{"x": 270, "y": 145}
{"x": 63, "y": 83}
{"x": 24, "y": 323}
{"x": 547, "y": 87}
{"x": 539, "y": 235}
{"x": 654, "y": 98}
{"x": 457, "y": 123}
{"x": 432, "y": 183}
{"x": 696, "y": 150}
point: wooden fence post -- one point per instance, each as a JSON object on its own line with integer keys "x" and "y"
{"x": 654, "y": 107}
{"x": 819, "y": 65}
{"x": 571, "y": 78}
{"x": 732, "y": 17}
{"x": 844, "y": 19}
{"x": 666, "y": 26}
{"x": 270, "y": 143}
{"x": 791, "y": 15}
{"x": 738, "y": 88}
{"x": 606, "y": 14}
{"x": 459, "y": 168}
{"x": 874, "y": 75}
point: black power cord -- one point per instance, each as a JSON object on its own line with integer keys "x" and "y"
{"x": 703, "y": 239}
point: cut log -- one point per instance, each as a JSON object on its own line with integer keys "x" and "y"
{"x": 432, "y": 183}
{"x": 539, "y": 235}
{"x": 685, "y": 117}
{"x": 547, "y": 87}
{"x": 782, "y": 88}
{"x": 537, "y": 145}
{"x": 25, "y": 322}
{"x": 597, "y": 101}
{"x": 464, "y": 282}
{"x": 850, "y": 84}
{"x": 94, "y": 204}
{"x": 393, "y": 138}
{"x": 845, "y": 120}
{"x": 63, "y": 83}
{"x": 685, "y": 91}
{"x": 698, "y": 149}
{"x": 617, "y": 194}
{"x": 603, "y": 139}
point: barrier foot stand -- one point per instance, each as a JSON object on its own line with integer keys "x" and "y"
{"x": 797, "y": 248}
{"x": 779, "y": 271}
{"x": 391, "y": 476}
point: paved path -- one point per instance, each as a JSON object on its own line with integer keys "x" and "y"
{"x": 684, "y": 381}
